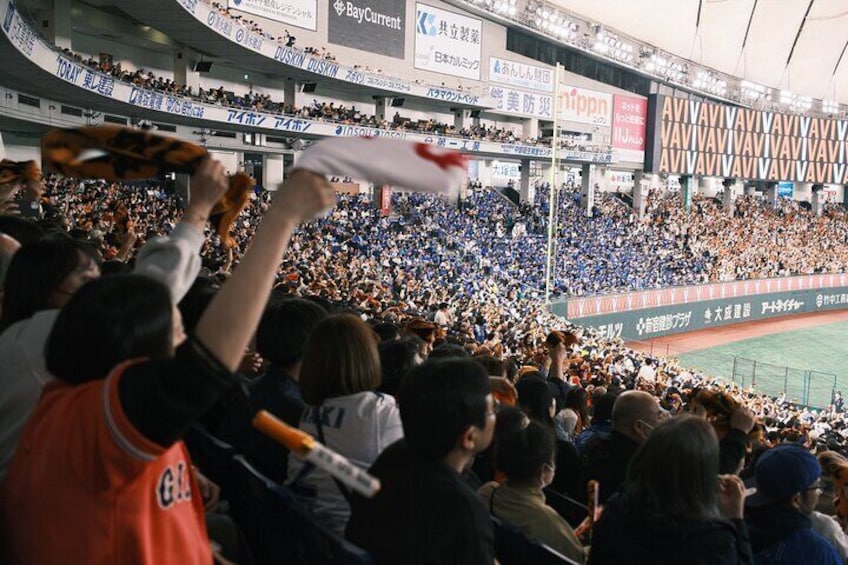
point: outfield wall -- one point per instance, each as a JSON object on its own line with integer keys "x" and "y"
{"x": 655, "y": 313}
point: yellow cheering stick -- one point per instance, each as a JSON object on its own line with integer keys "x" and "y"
{"x": 307, "y": 448}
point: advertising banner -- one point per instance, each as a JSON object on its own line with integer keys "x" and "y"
{"x": 300, "y": 13}
{"x": 385, "y": 200}
{"x": 666, "y": 320}
{"x": 241, "y": 34}
{"x": 92, "y": 82}
{"x": 375, "y": 26}
{"x": 629, "y": 118}
{"x": 531, "y": 104}
{"x": 585, "y": 106}
{"x": 521, "y": 75}
{"x": 709, "y": 139}
{"x": 447, "y": 43}
{"x": 506, "y": 171}
{"x": 785, "y": 189}
{"x": 20, "y": 34}
{"x": 653, "y": 313}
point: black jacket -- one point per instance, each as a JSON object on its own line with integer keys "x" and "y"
{"x": 424, "y": 514}
{"x": 625, "y": 536}
{"x": 606, "y": 460}
{"x": 279, "y": 394}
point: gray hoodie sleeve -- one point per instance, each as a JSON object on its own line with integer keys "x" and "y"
{"x": 173, "y": 260}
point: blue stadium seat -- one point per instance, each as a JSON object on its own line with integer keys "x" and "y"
{"x": 572, "y": 511}
{"x": 280, "y": 530}
{"x": 512, "y": 547}
{"x": 213, "y": 457}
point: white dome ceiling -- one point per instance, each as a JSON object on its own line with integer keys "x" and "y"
{"x": 713, "y": 33}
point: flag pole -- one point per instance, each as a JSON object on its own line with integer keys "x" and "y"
{"x": 549, "y": 268}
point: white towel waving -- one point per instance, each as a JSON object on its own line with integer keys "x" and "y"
{"x": 382, "y": 161}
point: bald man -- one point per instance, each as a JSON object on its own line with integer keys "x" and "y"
{"x": 634, "y": 415}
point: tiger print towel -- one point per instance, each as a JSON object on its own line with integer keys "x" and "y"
{"x": 15, "y": 171}
{"x": 129, "y": 154}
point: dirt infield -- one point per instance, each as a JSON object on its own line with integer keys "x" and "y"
{"x": 703, "y": 339}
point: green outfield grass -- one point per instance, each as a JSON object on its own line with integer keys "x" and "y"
{"x": 815, "y": 357}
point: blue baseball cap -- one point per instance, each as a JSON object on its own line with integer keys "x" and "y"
{"x": 781, "y": 472}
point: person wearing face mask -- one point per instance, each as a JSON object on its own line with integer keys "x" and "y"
{"x": 527, "y": 457}
{"x": 634, "y": 415}
{"x": 535, "y": 396}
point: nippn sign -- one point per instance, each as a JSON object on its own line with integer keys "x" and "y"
{"x": 585, "y": 106}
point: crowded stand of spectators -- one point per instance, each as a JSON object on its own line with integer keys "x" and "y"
{"x": 615, "y": 251}
{"x": 454, "y": 282}
{"x": 326, "y": 111}
{"x": 473, "y": 250}
{"x": 759, "y": 241}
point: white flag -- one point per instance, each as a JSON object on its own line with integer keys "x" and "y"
{"x": 383, "y": 161}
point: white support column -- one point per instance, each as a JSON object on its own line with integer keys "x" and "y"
{"x": 587, "y": 192}
{"x": 819, "y": 199}
{"x": 655, "y": 182}
{"x": 484, "y": 172}
{"x": 61, "y": 24}
{"x": 383, "y": 108}
{"x": 461, "y": 118}
{"x": 272, "y": 171}
{"x": 524, "y": 183}
{"x": 530, "y": 128}
{"x": 184, "y": 72}
{"x": 727, "y": 199}
{"x": 771, "y": 194}
{"x": 639, "y": 195}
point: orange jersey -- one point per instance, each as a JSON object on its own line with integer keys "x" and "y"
{"x": 86, "y": 487}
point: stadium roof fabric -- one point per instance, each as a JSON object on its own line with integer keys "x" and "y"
{"x": 795, "y": 45}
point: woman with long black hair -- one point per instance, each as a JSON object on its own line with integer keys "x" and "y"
{"x": 674, "y": 506}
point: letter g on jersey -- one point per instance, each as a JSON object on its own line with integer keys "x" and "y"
{"x": 174, "y": 485}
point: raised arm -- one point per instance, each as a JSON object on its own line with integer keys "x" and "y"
{"x": 175, "y": 260}
{"x": 162, "y": 399}
{"x": 228, "y": 324}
